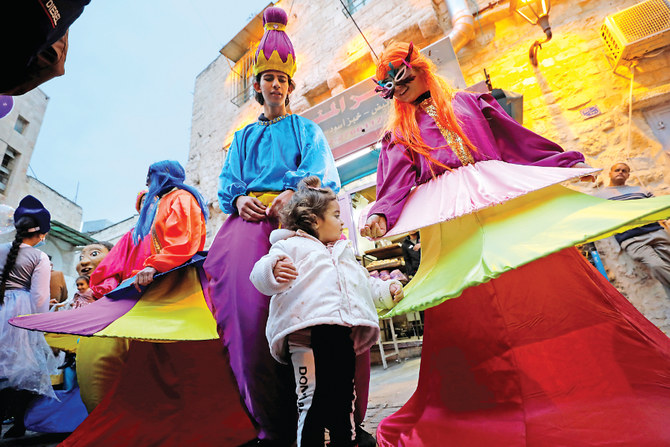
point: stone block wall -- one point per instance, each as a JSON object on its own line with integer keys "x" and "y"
{"x": 30, "y": 106}
{"x": 574, "y": 73}
{"x": 634, "y": 281}
{"x": 61, "y": 208}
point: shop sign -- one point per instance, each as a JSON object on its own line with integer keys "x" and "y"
{"x": 353, "y": 113}
{"x": 589, "y": 112}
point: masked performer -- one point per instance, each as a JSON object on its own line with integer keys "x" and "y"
{"x": 538, "y": 349}
{"x": 265, "y": 163}
{"x": 26, "y": 361}
{"x": 167, "y": 394}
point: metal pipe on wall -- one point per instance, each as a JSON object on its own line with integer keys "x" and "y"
{"x": 463, "y": 22}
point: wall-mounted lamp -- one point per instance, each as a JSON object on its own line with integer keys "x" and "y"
{"x": 537, "y": 13}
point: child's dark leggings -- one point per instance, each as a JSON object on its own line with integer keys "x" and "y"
{"x": 323, "y": 361}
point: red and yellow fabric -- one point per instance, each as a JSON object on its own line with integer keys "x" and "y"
{"x": 172, "y": 309}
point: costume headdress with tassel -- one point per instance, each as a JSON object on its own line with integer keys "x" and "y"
{"x": 275, "y": 52}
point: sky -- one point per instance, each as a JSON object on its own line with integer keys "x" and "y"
{"x": 126, "y": 97}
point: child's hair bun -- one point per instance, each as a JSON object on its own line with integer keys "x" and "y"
{"x": 310, "y": 182}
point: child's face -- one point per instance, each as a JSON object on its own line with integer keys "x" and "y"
{"x": 330, "y": 227}
{"x": 82, "y": 285}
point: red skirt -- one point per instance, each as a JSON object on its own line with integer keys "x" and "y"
{"x": 549, "y": 354}
{"x": 169, "y": 394}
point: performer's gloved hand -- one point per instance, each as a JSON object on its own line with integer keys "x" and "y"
{"x": 250, "y": 208}
{"x": 375, "y": 226}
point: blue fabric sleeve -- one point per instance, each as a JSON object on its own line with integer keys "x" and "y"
{"x": 231, "y": 184}
{"x": 316, "y": 158}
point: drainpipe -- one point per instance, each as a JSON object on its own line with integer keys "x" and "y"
{"x": 463, "y": 23}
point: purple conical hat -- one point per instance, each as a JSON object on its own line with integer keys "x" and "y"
{"x": 275, "y": 52}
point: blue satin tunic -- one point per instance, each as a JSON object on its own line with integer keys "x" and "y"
{"x": 275, "y": 156}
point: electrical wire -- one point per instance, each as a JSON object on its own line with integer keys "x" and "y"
{"x": 629, "y": 142}
{"x": 359, "y": 29}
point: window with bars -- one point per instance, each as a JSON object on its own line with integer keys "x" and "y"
{"x": 8, "y": 162}
{"x": 354, "y": 5}
{"x": 243, "y": 79}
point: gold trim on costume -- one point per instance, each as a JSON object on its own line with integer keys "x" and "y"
{"x": 274, "y": 26}
{"x": 454, "y": 141}
{"x": 276, "y": 120}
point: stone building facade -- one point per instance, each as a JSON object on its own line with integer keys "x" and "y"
{"x": 573, "y": 96}
{"x": 18, "y": 134}
{"x": 19, "y": 130}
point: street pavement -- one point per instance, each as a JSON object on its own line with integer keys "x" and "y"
{"x": 389, "y": 389}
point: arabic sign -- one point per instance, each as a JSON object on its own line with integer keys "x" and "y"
{"x": 360, "y": 112}
{"x": 351, "y": 114}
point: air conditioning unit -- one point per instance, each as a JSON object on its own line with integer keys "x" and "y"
{"x": 636, "y": 31}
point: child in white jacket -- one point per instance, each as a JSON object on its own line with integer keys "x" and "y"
{"x": 322, "y": 311}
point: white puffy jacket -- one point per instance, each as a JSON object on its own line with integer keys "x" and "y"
{"x": 331, "y": 288}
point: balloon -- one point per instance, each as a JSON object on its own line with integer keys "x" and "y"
{"x": 6, "y": 105}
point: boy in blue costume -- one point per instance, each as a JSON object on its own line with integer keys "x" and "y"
{"x": 265, "y": 163}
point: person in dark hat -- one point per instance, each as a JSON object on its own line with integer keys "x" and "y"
{"x": 26, "y": 360}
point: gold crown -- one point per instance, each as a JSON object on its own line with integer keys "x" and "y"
{"x": 274, "y": 63}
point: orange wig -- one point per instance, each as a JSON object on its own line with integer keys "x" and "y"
{"x": 402, "y": 122}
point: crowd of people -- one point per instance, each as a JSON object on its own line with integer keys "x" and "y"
{"x": 265, "y": 339}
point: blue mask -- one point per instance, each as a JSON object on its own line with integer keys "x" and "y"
{"x": 40, "y": 243}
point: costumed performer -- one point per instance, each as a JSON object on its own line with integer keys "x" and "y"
{"x": 166, "y": 394}
{"x": 26, "y": 360}
{"x": 538, "y": 349}
{"x": 322, "y": 312}
{"x": 265, "y": 162}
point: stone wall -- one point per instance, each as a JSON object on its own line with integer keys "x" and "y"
{"x": 31, "y": 107}
{"x": 634, "y": 281}
{"x": 114, "y": 232}
{"x": 61, "y": 208}
{"x": 573, "y": 73}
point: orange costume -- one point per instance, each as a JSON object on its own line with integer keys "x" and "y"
{"x": 101, "y": 359}
{"x": 170, "y": 394}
